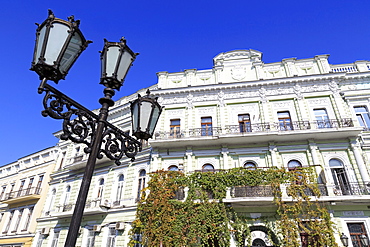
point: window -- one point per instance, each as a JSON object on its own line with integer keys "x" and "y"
{"x": 141, "y": 183}
{"x": 322, "y": 118}
{"x": 175, "y": 128}
{"x": 11, "y": 191}
{"x": 28, "y": 219}
{"x": 206, "y": 125}
{"x": 285, "y": 123}
{"x": 101, "y": 188}
{"x": 244, "y": 123}
{"x": 39, "y": 183}
{"x": 250, "y": 165}
{"x": 362, "y": 115}
{"x": 293, "y": 165}
{"x": 54, "y": 242}
{"x": 208, "y": 168}
{"x": 21, "y": 188}
{"x": 121, "y": 180}
{"x": 19, "y": 217}
{"x": 29, "y": 186}
{"x": 173, "y": 168}
{"x": 111, "y": 241}
{"x": 341, "y": 183}
{"x": 2, "y": 195}
{"x": 90, "y": 238}
{"x": 9, "y": 221}
{"x": 356, "y": 232}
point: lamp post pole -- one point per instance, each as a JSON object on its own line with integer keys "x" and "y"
{"x": 74, "y": 226}
{"x": 58, "y": 44}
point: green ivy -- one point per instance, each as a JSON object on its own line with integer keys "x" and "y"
{"x": 204, "y": 220}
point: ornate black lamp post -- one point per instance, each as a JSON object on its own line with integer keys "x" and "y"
{"x": 364, "y": 240}
{"x": 58, "y": 44}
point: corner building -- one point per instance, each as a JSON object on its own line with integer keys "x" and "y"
{"x": 240, "y": 113}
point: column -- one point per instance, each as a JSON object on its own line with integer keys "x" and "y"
{"x": 315, "y": 159}
{"x": 189, "y": 162}
{"x": 225, "y": 157}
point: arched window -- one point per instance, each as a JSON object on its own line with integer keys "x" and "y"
{"x": 173, "y": 168}
{"x": 340, "y": 179}
{"x": 207, "y": 168}
{"x": 101, "y": 188}
{"x": 141, "y": 183}
{"x": 250, "y": 165}
{"x": 294, "y": 164}
{"x": 119, "y": 195}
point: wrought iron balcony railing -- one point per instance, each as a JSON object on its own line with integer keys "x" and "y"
{"x": 352, "y": 189}
{"x": 205, "y": 131}
{"x": 252, "y": 191}
{"x": 257, "y": 127}
{"x": 309, "y": 192}
{"x": 21, "y": 193}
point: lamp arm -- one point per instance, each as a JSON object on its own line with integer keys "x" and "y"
{"x": 79, "y": 125}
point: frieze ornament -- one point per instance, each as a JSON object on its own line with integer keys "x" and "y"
{"x": 238, "y": 73}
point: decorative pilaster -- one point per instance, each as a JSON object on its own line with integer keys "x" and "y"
{"x": 273, "y": 150}
{"x": 225, "y": 157}
{"x": 315, "y": 159}
{"x": 355, "y": 145}
{"x": 189, "y": 161}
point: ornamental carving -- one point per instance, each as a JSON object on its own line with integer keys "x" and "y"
{"x": 238, "y": 73}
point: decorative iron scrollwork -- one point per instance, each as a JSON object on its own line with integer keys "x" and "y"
{"x": 79, "y": 125}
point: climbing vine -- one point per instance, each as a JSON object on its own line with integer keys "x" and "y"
{"x": 164, "y": 218}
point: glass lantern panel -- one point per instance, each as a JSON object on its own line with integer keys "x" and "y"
{"x": 145, "y": 111}
{"x": 71, "y": 53}
{"x": 124, "y": 65}
{"x": 40, "y": 42}
{"x": 112, "y": 58}
{"x": 135, "y": 116}
{"x": 153, "y": 122}
{"x": 57, "y": 38}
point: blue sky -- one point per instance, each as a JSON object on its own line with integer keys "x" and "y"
{"x": 170, "y": 36}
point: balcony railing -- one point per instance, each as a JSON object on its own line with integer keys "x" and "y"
{"x": 21, "y": 193}
{"x": 205, "y": 131}
{"x": 309, "y": 192}
{"x": 352, "y": 189}
{"x": 257, "y": 127}
{"x": 252, "y": 191}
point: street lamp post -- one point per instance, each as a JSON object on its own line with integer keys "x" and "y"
{"x": 58, "y": 45}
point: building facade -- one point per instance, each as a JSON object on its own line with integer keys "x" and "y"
{"x": 288, "y": 114}
{"x": 24, "y": 186}
{"x": 241, "y": 113}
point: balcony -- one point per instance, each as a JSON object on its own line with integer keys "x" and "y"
{"x": 23, "y": 195}
{"x": 91, "y": 207}
{"x": 350, "y": 189}
{"x": 252, "y": 191}
{"x": 258, "y": 132}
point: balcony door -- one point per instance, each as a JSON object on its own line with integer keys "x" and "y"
{"x": 322, "y": 118}
{"x": 285, "y": 122}
{"x": 175, "y": 128}
{"x": 244, "y": 123}
{"x": 206, "y": 125}
{"x": 340, "y": 178}
{"x": 362, "y": 115}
